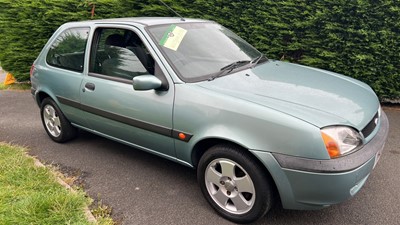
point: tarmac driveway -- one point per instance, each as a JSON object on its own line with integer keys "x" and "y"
{"x": 145, "y": 189}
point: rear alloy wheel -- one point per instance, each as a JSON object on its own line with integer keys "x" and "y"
{"x": 56, "y": 125}
{"x": 235, "y": 185}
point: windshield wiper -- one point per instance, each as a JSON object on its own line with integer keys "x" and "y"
{"x": 228, "y": 68}
{"x": 234, "y": 65}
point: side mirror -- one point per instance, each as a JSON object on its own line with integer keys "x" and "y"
{"x": 146, "y": 82}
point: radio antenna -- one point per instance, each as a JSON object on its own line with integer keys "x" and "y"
{"x": 179, "y": 15}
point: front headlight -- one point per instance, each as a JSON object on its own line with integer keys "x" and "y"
{"x": 340, "y": 140}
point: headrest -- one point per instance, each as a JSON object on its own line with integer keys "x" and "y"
{"x": 115, "y": 40}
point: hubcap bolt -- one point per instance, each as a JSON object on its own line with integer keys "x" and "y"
{"x": 228, "y": 193}
{"x": 222, "y": 182}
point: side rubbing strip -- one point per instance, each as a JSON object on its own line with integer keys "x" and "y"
{"x": 69, "y": 102}
{"x": 126, "y": 120}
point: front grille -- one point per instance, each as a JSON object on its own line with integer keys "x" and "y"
{"x": 370, "y": 126}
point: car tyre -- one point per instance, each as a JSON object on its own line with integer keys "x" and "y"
{"x": 236, "y": 186}
{"x": 55, "y": 123}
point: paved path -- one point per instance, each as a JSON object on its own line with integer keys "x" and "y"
{"x": 145, "y": 189}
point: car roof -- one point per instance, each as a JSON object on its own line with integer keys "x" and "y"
{"x": 144, "y": 21}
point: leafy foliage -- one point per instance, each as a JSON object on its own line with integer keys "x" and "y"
{"x": 355, "y": 37}
{"x": 25, "y": 27}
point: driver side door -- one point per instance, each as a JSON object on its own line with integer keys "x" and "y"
{"x": 140, "y": 118}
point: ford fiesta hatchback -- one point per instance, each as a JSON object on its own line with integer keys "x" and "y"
{"x": 256, "y": 130}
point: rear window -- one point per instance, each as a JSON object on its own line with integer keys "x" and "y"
{"x": 68, "y": 50}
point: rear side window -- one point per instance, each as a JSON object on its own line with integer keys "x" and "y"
{"x": 68, "y": 50}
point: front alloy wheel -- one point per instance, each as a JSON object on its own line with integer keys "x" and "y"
{"x": 230, "y": 186}
{"x": 235, "y": 184}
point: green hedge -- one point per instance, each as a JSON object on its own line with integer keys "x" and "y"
{"x": 25, "y": 26}
{"x": 358, "y": 38}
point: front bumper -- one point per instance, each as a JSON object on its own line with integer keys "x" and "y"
{"x": 312, "y": 184}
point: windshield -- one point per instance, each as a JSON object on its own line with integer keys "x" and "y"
{"x": 199, "y": 51}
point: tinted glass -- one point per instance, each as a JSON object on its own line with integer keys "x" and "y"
{"x": 68, "y": 50}
{"x": 120, "y": 53}
{"x": 199, "y": 50}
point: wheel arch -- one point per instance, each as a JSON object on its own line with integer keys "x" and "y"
{"x": 264, "y": 184}
{"x": 205, "y": 144}
{"x": 41, "y": 95}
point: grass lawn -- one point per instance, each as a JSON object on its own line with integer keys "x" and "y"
{"x": 15, "y": 86}
{"x": 32, "y": 195}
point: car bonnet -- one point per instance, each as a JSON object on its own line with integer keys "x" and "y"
{"x": 316, "y": 96}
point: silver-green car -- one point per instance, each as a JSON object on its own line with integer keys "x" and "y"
{"x": 256, "y": 130}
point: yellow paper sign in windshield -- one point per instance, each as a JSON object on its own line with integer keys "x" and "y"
{"x": 173, "y": 37}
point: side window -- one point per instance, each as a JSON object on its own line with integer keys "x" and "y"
{"x": 120, "y": 53}
{"x": 68, "y": 50}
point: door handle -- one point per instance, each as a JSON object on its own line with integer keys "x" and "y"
{"x": 89, "y": 86}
